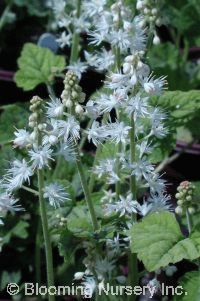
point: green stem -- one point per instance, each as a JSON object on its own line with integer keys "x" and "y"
{"x": 84, "y": 137}
{"x": 133, "y": 186}
{"x": 132, "y": 259}
{"x": 46, "y": 234}
{"x": 75, "y": 39}
{"x": 92, "y": 178}
{"x": 58, "y": 167}
{"x": 189, "y": 220}
{"x": 38, "y": 255}
{"x": 86, "y": 191}
{"x": 51, "y": 91}
{"x": 33, "y": 191}
{"x": 118, "y": 167}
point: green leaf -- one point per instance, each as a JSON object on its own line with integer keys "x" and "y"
{"x": 190, "y": 286}
{"x": 19, "y": 230}
{"x": 67, "y": 245}
{"x": 9, "y": 277}
{"x": 158, "y": 241}
{"x": 79, "y": 221}
{"x": 182, "y": 108}
{"x": 35, "y": 66}
{"x": 35, "y": 8}
{"x": 13, "y": 116}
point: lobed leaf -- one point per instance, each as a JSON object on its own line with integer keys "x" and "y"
{"x": 190, "y": 286}
{"x": 35, "y": 66}
{"x": 158, "y": 241}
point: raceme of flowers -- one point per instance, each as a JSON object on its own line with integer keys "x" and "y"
{"x": 120, "y": 116}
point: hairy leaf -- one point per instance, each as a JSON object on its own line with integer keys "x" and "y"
{"x": 158, "y": 241}
{"x": 79, "y": 221}
{"x": 190, "y": 286}
{"x": 35, "y": 66}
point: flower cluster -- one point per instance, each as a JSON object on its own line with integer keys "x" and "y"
{"x": 122, "y": 122}
{"x": 185, "y": 198}
{"x": 123, "y": 128}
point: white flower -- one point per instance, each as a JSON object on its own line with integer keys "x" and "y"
{"x": 78, "y": 68}
{"x": 107, "y": 167}
{"x": 58, "y": 6}
{"x": 92, "y": 109}
{"x": 89, "y": 285}
{"x": 104, "y": 60}
{"x": 104, "y": 267}
{"x": 51, "y": 132}
{"x": 142, "y": 168}
{"x": 78, "y": 275}
{"x": 67, "y": 150}
{"x": 117, "y": 81}
{"x": 154, "y": 86}
{"x": 22, "y": 138}
{"x": 107, "y": 102}
{"x": 97, "y": 37}
{"x": 64, "y": 40}
{"x": 108, "y": 197}
{"x": 156, "y": 183}
{"x": 7, "y": 203}
{"x": 55, "y": 193}
{"x": 120, "y": 39}
{"x": 19, "y": 173}
{"x": 144, "y": 209}
{"x": 137, "y": 105}
{"x": 93, "y": 7}
{"x": 118, "y": 131}
{"x": 54, "y": 108}
{"x": 69, "y": 129}
{"x": 96, "y": 133}
{"x": 40, "y": 156}
{"x": 126, "y": 205}
{"x": 159, "y": 202}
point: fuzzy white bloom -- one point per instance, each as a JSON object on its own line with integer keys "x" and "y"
{"x": 55, "y": 193}
{"x": 95, "y": 133}
{"x": 92, "y": 109}
{"x": 40, "y": 156}
{"x": 144, "y": 209}
{"x": 54, "y": 108}
{"x": 126, "y": 205}
{"x": 89, "y": 286}
{"x": 19, "y": 173}
{"x": 78, "y": 68}
{"x": 51, "y": 132}
{"x": 67, "y": 150}
{"x": 79, "y": 275}
{"x": 154, "y": 85}
{"x": 94, "y": 7}
{"x": 107, "y": 168}
{"x": 156, "y": 183}
{"x": 69, "y": 128}
{"x": 8, "y": 203}
{"x": 142, "y": 168}
{"x": 137, "y": 105}
{"x": 108, "y": 197}
{"x": 159, "y": 202}
{"x": 64, "y": 40}
{"x": 118, "y": 131}
{"x": 22, "y": 138}
{"x": 104, "y": 267}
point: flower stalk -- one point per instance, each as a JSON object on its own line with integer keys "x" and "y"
{"x": 46, "y": 234}
{"x": 86, "y": 191}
